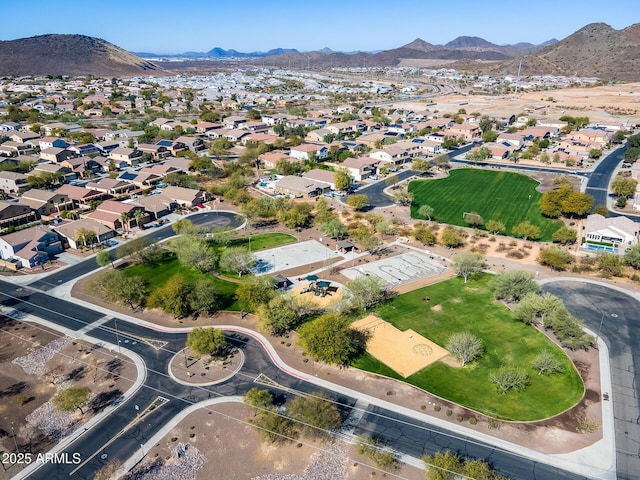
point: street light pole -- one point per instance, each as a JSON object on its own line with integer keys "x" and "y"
{"x": 115, "y": 323}
{"x": 274, "y": 263}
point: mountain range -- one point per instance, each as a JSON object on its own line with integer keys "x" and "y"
{"x": 596, "y": 50}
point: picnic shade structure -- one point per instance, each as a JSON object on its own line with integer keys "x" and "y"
{"x": 312, "y": 278}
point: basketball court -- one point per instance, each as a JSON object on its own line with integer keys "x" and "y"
{"x": 405, "y": 352}
{"x": 292, "y": 256}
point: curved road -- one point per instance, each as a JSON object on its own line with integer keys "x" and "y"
{"x": 616, "y": 317}
{"x": 407, "y": 435}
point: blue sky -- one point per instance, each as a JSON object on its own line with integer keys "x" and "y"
{"x": 162, "y": 26}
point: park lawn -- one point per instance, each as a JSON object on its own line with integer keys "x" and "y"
{"x": 507, "y": 197}
{"x": 157, "y": 275}
{"x": 507, "y": 341}
{"x": 263, "y": 241}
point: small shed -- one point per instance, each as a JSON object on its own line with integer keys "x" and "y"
{"x": 281, "y": 281}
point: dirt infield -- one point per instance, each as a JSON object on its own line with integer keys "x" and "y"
{"x": 405, "y": 352}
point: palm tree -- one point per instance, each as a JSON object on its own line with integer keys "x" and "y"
{"x": 139, "y": 216}
{"x": 125, "y": 217}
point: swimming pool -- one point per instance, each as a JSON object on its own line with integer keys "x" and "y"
{"x": 600, "y": 248}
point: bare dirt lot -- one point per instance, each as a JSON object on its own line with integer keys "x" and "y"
{"x": 231, "y": 445}
{"x": 613, "y": 103}
{"x": 24, "y": 395}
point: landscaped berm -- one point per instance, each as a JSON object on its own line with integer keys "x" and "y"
{"x": 406, "y": 352}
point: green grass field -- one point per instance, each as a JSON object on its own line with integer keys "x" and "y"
{"x": 471, "y": 307}
{"x": 507, "y": 197}
{"x": 157, "y": 275}
{"x": 263, "y": 241}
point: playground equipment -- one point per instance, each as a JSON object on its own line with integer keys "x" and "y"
{"x": 319, "y": 288}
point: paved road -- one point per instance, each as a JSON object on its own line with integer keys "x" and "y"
{"x": 209, "y": 219}
{"x": 405, "y": 434}
{"x": 619, "y": 316}
{"x": 375, "y": 191}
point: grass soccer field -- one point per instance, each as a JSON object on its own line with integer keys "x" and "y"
{"x": 507, "y": 197}
{"x": 455, "y": 307}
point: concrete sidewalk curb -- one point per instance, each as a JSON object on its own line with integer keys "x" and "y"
{"x": 581, "y": 464}
{"x": 141, "y": 376}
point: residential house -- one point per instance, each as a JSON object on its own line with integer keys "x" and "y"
{"x": 156, "y": 151}
{"x": 598, "y": 138}
{"x": 112, "y": 214}
{"x": 234, "y": 121}
{"x": 141, "y": 179}
{"x": 618, "y": 233}
{"x": 81, "y": 167}
{"x": 359, "y": 168}
{"x": 516, "y": 139}
{"x": 397, "y": 155}
{"x": 123, "y": 154}
{"x": 303, "y": 152}
{"x": 13, "y": 149}
{"x": 9, "y": 126}
{"x": 13, "y": 183}
{"x": 80, "y": 195}
{"x": 323, "y": 176}
{"x": 107, "y": 146}
{"x": 318, "y": 135}
{"x": 45, "y": 202}
{"x": 259, "y": 137}
{"x": 432, "y": 148}
{"x": 112, "y": 186}
{"x": 56, "y": 154}
{"x": 300, "y": 187}
{"x": 465, "y": 131}
{"x": 373, "y": 139}
{"x": 180, "y": 163}
{"x": 22, "y": 137}
{"x": 53, "y": 169}
{"x": 157, "y": 205}
{"x": 72, "y": 231}
{"x": 186, "y": 197}
{"x": 270, "y": 159}
{"x": 14, "y": 214}
{"x": 50, "y": 142}
{"x": 31, "y": 246}
{"x": 192, "y": 143}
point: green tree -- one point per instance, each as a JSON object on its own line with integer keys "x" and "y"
{"x": 465, "y": 346}
{"x": 489, "y": 136}
{"x": 71, "y": 398}
{"x": 298, "y": 215}
{"x": 334, "y": 228}
{"x": 373, "y": 449}
{"x": 467, "y": 264}
{"x": 595, "y": 153}
{"x": 117, "y": 287}
{"x": 205, "y": 297}
{"x": 403, "y": 197}
{"x": 358, "y": 202}
{"x": 551, "y": 201}
{"x": 495, "y": 226}
{"x": 279, "y": 316}
{"x": 631, "y": 155}
{"x": 601, "y": 210}
{"x": 103, "y": 258}
{"x": 193, "y": 252}
{"x": 256, "y": 292}
{"x": 330, "y": 338}
{"x": 125, "y": 218}
{"x": 441, "y": 160}
{"x": 577, "y": 204}
{"x": 425, "y": 211}
{"x": 509, "y": 378}
{"x": 424, "y": 233}
{"x": 565, "y": 235}
{"x": 611, "y": 264}
{"x": 623, "y": 186}
{"x": 341, "y": 179}
{"x": 134, "y": 249}
{"x": 632, "y": 256}
{"x": 420, "y": 166}
{"x": 367, "y": 290}
{"x": 555, "y": 257}
{"x": 206, "y": 341}
{"x": 391, "y": 180}
{"x": 237, "y": 259}
{"x": 473, "y": 219}
{"x": 442, "y": 465}
{"x": 513, "y": 285}
{"x": 526, "y": 230}
{"x": 478, "y": 154}
{"x": 546, "y": 363}
{"x": 86, "y": 237}
{"x": 316, "y": 412}
{"x": 260, "y": 399}
{"x": 450, "y": 237}
{"x": 174, "y": 297}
